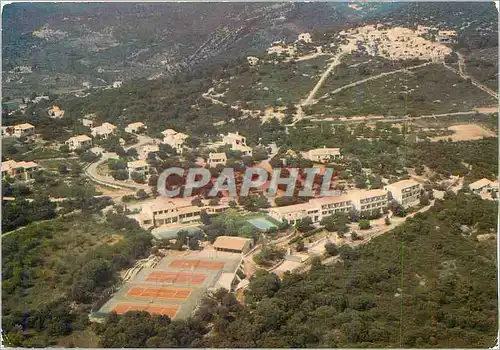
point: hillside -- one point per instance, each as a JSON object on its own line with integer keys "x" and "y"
{"x": 66, "y": 45}
{"x": 424, "y": 284}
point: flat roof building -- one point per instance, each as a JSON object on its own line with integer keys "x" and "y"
{"x": 370, "y": 201}
{"x": 232, "y": 244}
{"x": 146, "y": 150}
{"x": 163, "y": 211}
{"x": 138, "y": 166}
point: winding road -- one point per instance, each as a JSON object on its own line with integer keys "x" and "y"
{"x": 92, "y": 173}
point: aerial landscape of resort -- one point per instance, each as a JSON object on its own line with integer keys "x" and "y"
{"x": 250, "y": 175}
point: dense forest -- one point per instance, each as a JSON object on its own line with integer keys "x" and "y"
{"x": 54, "y": 272}
{"x": 424, "y": 284}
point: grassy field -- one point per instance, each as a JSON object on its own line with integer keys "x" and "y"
{"x": 432, "y": 90}
{"x": 270, "y": 84}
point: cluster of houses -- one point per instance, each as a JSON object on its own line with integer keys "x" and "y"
{"x": 405, "y": 192}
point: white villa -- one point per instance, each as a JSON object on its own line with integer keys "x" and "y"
{"x": 138, "y": 166}
{"x": 446, "y": 36}
{"x": 252, "y": 60}
{"x": 103, "y": 130}
{"x": 371, "y": 200}
{"x": 316, "y": 209}
{"x": 20, "y": 170}
{"x": 163, "y": 211}
{"x": 77, "y": 142}
{"x": 405, "y": 192}
{"x": 305, "y": 37}
{"x": 56, "y": 112}
{"x": 146, "y": 150}
{"x": 493, "y": 187}
{"x": 480, "y": 186}
{"x": 25, "y": 129}
{"x": 117, "y": 84}
{"x": 135, "y": 127}
{"x": 88, "y": 122}
{"x": 215, "y": 159}
{"x": 324, "y": 155}
{"x": 238, "y": 143}
{"x": 174, "y": 139}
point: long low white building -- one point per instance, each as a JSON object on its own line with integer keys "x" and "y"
{"x": 163, "y": 211}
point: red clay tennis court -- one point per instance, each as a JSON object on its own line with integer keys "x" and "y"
{"x": 159, "y": 292}
{"x": 196, "y": 264}
{"x": 176, "y": 277}
{"x": 170, "y": 310}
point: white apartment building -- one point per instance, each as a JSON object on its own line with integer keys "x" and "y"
{"x": 135, "y": 127}
{"x": 305, "y": 37}
{"x": 480, "y": 186}
{"x": 238, "y": 143}
{"x": 405, "y": 192}
{"x": 138, "y": 166}
{"x": 103, "y": 130}
{"x": 316, "y": 209}
{"x": 163, "y": 211}
{"x": 174, "y": 139}
{"x": 370, "y": 201}
{"x": 117, "y": 84}
{"x": 22, "y": 130}
{"x": 215, "y": 159}
{"x": 146, "y": 150}
{"x": 77, "y": 142}
{"x": 22, "y": 171}
{"x": 324, "y": 155}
